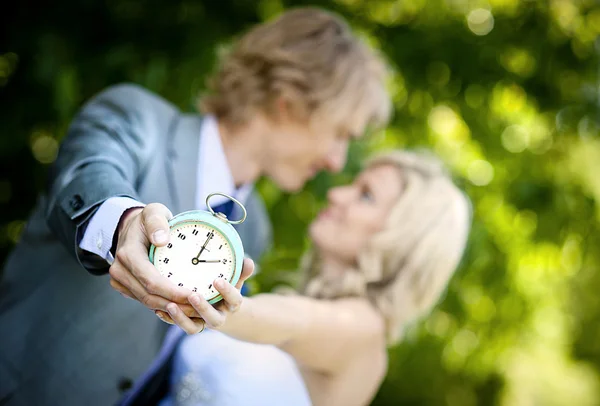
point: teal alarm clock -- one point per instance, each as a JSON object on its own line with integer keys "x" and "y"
{"x": 203, "y": 246}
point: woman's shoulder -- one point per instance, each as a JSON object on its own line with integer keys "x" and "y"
{"x": 339, "y": 331}
{"x": 362, "y": 321}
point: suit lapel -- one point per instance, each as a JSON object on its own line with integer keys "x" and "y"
{"x": 182, "y": 169}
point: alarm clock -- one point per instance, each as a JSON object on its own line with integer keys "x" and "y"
{"x": 203, "y": 246}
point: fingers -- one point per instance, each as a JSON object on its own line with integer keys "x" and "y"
{"x": 214, "y": 318}
{"x": 123, "y": 281}
{"x": 121, "y": 289}
{"x": 164, "y": 316}
{"x": 247, "y": 271}
{"x": 190, "y": 326}
{"x": 232, "y": 297}
{"x": 155, "y": 222}
{"x": 126, "y": 284}
{"x": 187, "y": 309}
{"x": 133, "y": 269}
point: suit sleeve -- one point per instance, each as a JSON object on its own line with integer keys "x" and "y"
{"x": 100, "y": 229}
{"x": 107, "y": 147}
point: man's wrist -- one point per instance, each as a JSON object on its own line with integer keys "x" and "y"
{"x": 126, "y": 217}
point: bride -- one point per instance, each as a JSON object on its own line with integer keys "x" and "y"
{"x": 383, "y": 253}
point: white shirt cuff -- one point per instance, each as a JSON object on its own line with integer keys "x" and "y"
{"x": 99, "y": 233}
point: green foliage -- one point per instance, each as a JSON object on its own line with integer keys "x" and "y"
{"x": 505, "y": 91}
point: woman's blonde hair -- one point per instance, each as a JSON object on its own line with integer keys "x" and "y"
{"x": 407, "y": 266}
{"x": 309, "y": 57}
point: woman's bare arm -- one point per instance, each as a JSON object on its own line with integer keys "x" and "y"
{"x": 322, "y": 335}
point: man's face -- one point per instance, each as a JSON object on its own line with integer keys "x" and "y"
{"x": 299, "y": 151}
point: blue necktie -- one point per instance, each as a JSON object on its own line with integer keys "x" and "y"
{"x": 146, "y": 389}
{"x": 225, "y": 208}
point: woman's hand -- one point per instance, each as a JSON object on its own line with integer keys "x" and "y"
{"x": 211, "y": 316}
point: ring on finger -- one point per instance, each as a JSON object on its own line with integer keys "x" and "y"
{"x": 203, "y": 327}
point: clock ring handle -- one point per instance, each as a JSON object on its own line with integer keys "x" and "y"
{"x": 223, "y": 215}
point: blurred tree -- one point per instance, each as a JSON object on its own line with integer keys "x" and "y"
{"x": 505, "y": 91}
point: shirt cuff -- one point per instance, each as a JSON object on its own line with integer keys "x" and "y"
{"x": 98, "y": 236}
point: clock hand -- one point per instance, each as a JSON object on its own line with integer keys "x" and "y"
{"x": 195, "y": 260}
{"x": 209, "y": 261}
{"x": 204, "y": 245}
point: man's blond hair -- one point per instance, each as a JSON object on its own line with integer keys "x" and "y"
{"x": 309, "y": 57}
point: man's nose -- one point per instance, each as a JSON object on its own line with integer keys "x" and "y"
{"x": 336, "y": 157}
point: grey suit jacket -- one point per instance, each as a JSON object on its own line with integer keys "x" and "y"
{"x": 67, "y": 338}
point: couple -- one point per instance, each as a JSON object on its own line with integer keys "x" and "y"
{"x": 383, "y": 251}
{"x": 285, "y": 104}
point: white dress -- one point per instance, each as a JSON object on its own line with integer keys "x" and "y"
{"x": 212, "y": 368}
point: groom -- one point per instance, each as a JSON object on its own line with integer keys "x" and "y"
{"x": 285, "y": 104}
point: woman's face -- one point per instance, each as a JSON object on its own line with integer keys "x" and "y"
{"x": 355, "y": 213}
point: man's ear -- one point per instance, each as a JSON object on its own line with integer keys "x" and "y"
{"x": 289, "y": 108}
{"x": 283, "y": 108}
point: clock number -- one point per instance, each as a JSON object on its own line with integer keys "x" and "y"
{"x": 224, "y": 261}
{"x": 181, "y": 284}
{"x": 210, "y": 286}
{"x": 169, "y": 245}
{"x": 221, "y": 246}
{"x": 195, "y": 232}
{"x": 166, "y": 260}
{"x": 195, "y": 290}
{"x": 169, "y": 275}
{"x": 181, "y": 236}
{"x": 221, "y": 275}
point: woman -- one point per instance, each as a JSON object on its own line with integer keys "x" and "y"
{"x": 384, "y": 251}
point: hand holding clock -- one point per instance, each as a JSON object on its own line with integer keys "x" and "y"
{"x": 134, "y": 276}
{"x": 213, "y": 316}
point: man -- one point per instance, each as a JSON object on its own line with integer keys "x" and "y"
{"x": 284, "y": 104}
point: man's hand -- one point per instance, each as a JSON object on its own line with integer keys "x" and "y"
{"x": 212, "y": 316}
{"x": 132, "y": 273}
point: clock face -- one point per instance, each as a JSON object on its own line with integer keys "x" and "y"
{"x": 195, "y": 256}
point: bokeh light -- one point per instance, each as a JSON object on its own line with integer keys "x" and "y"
{"x": 480, "y": 21}
{"x": 480, "y": 172}
{"x": 44, "y": 147}
{"x": 515, "y": 138}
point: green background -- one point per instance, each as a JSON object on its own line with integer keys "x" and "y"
{"x": 505, "y": 91}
